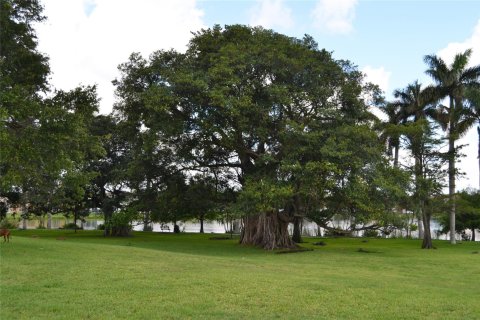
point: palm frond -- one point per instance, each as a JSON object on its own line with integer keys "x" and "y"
{"x": 471, "y": 75}
{"x": 473, "y": 99}
{"x": 437, "y": 68}
{"x": 439, "y": 115}
{"x": 463, "y": 126}
{"x": 432, "y": 94}
{"x": 461, "y": 61}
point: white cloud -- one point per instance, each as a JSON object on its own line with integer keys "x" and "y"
{"x": 334, "y": 16}
{"x": 271, "y": 14}
{"x": 449, "y": 52}
{"x": 87, "y": 39}
{"x": 378, "y": 76}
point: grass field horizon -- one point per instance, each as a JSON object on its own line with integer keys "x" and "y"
{"x": 59, "y": 274}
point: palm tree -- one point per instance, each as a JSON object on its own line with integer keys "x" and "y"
{"x": 452, "y": 82}
{"x": 413, "y": 105}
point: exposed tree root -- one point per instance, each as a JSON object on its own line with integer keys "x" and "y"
{"x": 267, "y": 230}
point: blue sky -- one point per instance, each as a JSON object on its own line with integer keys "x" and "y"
{"x": 87, "y": 39}
{"x": 392, "y": 34}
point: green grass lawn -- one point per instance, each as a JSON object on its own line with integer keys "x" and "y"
{"x": 63, "y": 275}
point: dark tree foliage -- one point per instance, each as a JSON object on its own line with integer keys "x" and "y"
{"x": 267, "y": 108}
{"x": 107, "y": 188}
{"x": 44, "y": 140}
{"x": 23, "y": 68}
{"x": 467, "y": 215}
{"x": 23, "y": 74}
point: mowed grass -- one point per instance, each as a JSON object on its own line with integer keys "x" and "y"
{"x": 63, "y": 275}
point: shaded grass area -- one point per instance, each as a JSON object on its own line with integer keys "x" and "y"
{"x": 170, "y": 276}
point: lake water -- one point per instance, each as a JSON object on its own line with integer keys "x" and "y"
{"x": 308, "y": 228}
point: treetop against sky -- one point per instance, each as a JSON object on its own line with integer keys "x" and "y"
{"x": 87, "y": 39}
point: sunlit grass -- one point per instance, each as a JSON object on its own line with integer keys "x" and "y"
{"x": 168, "y": 276}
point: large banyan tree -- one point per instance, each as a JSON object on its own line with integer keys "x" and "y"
{"x": 285, "y": 119}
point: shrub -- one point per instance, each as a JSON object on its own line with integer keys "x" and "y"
{"x": 101, "y": 227}
{"x": 337, "y": 234}
{"x": 71, "y": 226}
{"x": 370, "y": 233}
{"x": 120, "y": 223}
{"x": 8, "y": 223}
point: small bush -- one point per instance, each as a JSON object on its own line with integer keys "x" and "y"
{"x": 120, "y": 223}
{"x": 101, "y": 227}
{"x": 8, "y": 224}
{"x": 370, "y": 234}
{"x": 337, "y": 234}
{"x": 71, "y": 226}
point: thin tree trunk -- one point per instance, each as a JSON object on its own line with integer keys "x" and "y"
{"x": 427, "y": 236}
{"x": 297, "y": 218}
{"x": 451, "y": 185}
{"x": 201, "y": 225}
{"x": 473, "y": 234}
{"x": 418, "y": 175}
{"x": 267, "y": 230}
{"x": 395, "y": 159}
{"x": 75, "y": 221}
{"x": 49, "y": 220}
{"x": 420, "y": 227}
{"x": 107, "y": 213}
{"x": 146, "y": 221}
{"x": 297, "y": 232}
{"x": 24, "y": 224}
{"x": 106, "y": 223}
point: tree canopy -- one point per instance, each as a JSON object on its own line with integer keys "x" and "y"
{"x": 275, "y": 113}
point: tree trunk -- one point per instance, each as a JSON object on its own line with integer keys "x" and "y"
{"x": 427, "y": 236}
{"x": 395, "y": 159}
{"x": 146, "y": 221}
{"x": 49, "y": 220}
{"x": 267, "y": 230}
{"x": 106, "y": 223}
{"x": 201, "y": 225}
{"x": 418, "y": 175}
{"x": 420, "y": 228}
{"x": 473, "y": 234}
{"x": 297, "y": 230}
{"x": 106, "y": 210}
{"x": 75, "y": 221}
{"x": 451, "y": 185}
{"x": 24, "y": 224}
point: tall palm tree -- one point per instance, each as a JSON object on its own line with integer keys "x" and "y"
{"x": 413, "y": 105}
{"x": 452, "y": 82}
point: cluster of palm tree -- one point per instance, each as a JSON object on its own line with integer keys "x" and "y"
{"x": 451, "y": 103}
